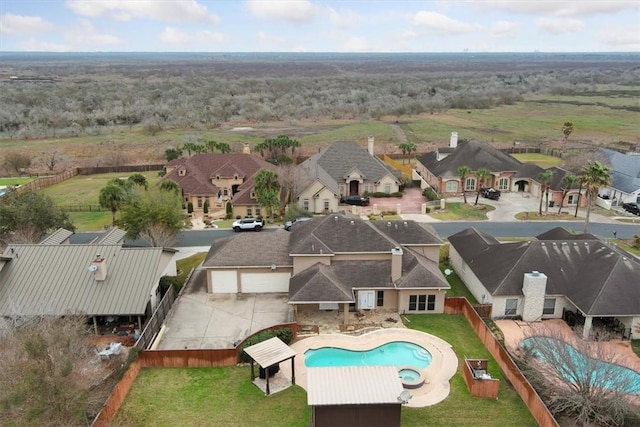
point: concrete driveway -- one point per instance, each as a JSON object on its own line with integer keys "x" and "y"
{"x": 200, "y": 320}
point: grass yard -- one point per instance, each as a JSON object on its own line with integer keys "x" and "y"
{"x": 456, "y": 211}
{"x": 541, "y": 160}
{"x": 552, "y": 215}
{"x": 459, "y": 408}
{"x": 90, "y": 221}
{"x": 635, "y": 345}
{"x": 185, "y": 265}
{"x": 14, "y": 181}
{"x": 209, "y": 397}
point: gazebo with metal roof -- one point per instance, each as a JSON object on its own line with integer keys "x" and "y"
{"x": 268, "y": 353}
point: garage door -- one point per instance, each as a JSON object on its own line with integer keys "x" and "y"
{"x": 224, "y": 282}
{"x": 265, "y": 282}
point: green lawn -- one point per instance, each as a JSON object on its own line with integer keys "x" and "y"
{"x": 635, "y": 345}
{"x": 14, "y": 181}
{"x": 90, "y": 221}
{"x": 541, "y": 160}
{"x": 459, "y": 408}
{"x": 551, "y": 215}
{"x": 455, "y": 211}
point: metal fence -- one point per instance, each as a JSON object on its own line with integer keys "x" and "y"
{"x": 154, "y": 324}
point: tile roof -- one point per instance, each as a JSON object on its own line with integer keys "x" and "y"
{"x": 250, "y": 249}
{"x": 353, "y": 385}
{"x": 474, "y": 155}
{"x": 54, "y": 280}
{"x": 599, "y": 279}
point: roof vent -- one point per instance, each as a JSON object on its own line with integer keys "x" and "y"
{"x": 542, "y": 244}
{"x": 535, "y": 273}
{"x": 553, "y": 243}
{"x": 405, "y": 223}
{"x": 575, "y": 244}
{"x": 352, "y": 222}
{"x": 389, "y": 224}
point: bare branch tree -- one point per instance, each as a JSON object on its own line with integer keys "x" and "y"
{"x": 18, "y": 161}
{"x": 158, "y": 234}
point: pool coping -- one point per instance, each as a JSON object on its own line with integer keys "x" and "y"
{"x": 444, "y": 362}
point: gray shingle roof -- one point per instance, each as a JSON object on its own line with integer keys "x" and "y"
{"x": 250, "y": 250}
{"x": 409, "y": 232}
{"x": 420, "y": 272}
{"x": 474, "y": 155}
{"x": 561, "y": 233}
{"x": 318, "y": 283}
{"x": 600, "y": 280}
{"x": 54, "y": 280}
{"x": 113, "y": 236}
{"x": 625, "y": 170}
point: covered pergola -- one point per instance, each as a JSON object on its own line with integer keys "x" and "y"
{"x": 268, "y": 353}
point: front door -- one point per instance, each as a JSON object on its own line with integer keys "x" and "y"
{"x": 354, "y": 187}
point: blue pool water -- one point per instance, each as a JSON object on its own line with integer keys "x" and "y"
{"x": 631, "y": 377}
{"x": 395, "y": 353}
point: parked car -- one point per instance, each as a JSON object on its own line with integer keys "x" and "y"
{"x": 251, "y": 224}
{"x": 287, "y": 225}
{"x": 634, "y": 208}
{"x": 490, "y": 193}
{"x": 355, "y": 200}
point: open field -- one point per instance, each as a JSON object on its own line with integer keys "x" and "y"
{"x": 226, "y": 397}
{"x": 14, "y": 181}
{"x": 539, "y": 159}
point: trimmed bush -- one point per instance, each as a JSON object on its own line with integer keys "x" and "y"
{"x": 381, "y": 194}
{"x": 189, "y": 208}
{"x": 205, "y": 207}
{"x": 430, "y": 194}
{"x": 229, "y": 211}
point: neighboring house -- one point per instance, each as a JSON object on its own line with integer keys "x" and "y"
{"x": 343, "y": 169}
{"x": 98, "y": 280}
{"x": 625, "y": 179}
{"x": 218, "y": 179}
{"x": 544, "y": 278}
{"x": 335, "y": 262}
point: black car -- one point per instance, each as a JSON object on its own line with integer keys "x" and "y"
{"x": 634, "y": 208}
{"x": 490, "y": 193}
{"x": 355, "y": 200}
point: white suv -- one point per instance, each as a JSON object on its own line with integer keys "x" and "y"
{"x": 252, "y": 224}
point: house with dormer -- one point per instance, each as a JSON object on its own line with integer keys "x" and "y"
{"x": 217, "y": 179}
{"x": 343, "y": 169}
{"x": 625, "y": 179}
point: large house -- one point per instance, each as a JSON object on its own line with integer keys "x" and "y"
{"x": 217, "y": 179}
{"x": 336, "y": 262}
{"x": 625, "y": 179}
{"x": 545, "y": 278}
{"x": 100, "y": 280}
{"x": 343, "y": 169}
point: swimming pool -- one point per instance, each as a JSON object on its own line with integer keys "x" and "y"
{"x": 395, "y": 353}
{"x": 584, "y": 365}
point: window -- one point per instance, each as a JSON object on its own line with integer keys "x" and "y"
{"x": 368, "y": 188}
{"x": 305, "y": 204}
{"x": 511, "y": 307}
{"x": 182, "y": 172}
{"x": 252, "y": 195}
{"x": 258, "y": 211}
{"x": 217, "y": 177}
{"x": 380, "y": 299}
{"x": 470, "y": 184}
{"x": 503, "y": 184}
{"x": 572, "y": 199}
{"x": 387, "y": 188}
{"x": 431, "y": 302}
{"x": 326, "y": 204}
{"x": 249, "y": 211}
{"x": 418, "y": 302}
{"x": 200, "y": 202}
{"x": 549, "y": 306}
{"x": 342, "y": 189}
{"x": 225, "y": 191}
{"x": 452, "y": 187}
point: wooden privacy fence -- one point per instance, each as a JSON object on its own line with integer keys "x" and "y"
{"x": 190, "y": 358}
{"x": 525, "y": 390}
{"x": 47, "y": 181}
{"x": 110, "y": 408}
{"x": 119, "y": 169}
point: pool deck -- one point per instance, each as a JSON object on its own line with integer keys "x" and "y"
{"x": 444, "y": 363}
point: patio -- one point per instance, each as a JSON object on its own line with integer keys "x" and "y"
{"x": 331, "y": 321}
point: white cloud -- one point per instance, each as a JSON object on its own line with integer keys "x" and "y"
{"x": 621, "y": 39}
{"x": 344, "y": 19}
{"x": 271, "y": 40}
{"x": 439, "y": 22}
{"x": 504, "y": 28}
{"x": 560, "y": 8}
{"x": 355, "y": 44}
{"x": 559, "y": 25}
{"x": 292, "y": 11}
{"x": 34, "y": 45}
{"x": 12, "y": 25}
{"x": 87, "y": 35}
{"x": 125, "y": 10}
{"x": 175, "y": 36}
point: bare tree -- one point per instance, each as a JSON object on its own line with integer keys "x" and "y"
{"x": 157, "y": 234}
{"x": 51, "y": 159}
{"x": 18, "y": 161}
{"x": 578, "y": 378}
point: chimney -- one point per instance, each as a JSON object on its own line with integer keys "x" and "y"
{"x": 453, "y": 142}
{"x": 396, "y": 264}
{"x": 534, "y": 288}
{"x": 246, "y": 148}
{"x": 370, "y": 142}
{"x": 99, "y": 268}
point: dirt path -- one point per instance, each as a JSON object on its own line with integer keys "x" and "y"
{"x": 400, "y": 134}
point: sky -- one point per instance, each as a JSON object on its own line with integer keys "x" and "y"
{"x": 320, "y": 26}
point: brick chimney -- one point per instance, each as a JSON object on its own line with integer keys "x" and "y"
{"x": 453, "y": 142}
{"x": 246, "y": 148}
{"x": 99, "y": 268}
{"x": 396, "y": 264}
{"x": 534, "y": 288}
{"x": 370, "y": 145}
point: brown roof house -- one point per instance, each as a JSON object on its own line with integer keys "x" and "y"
{"x": 342, "y": 169}
{"x": 557, "y": 274}
{"x": 335, "y": 262}
{"x": 218, "y": 179}
{"x": 99, "y": 280}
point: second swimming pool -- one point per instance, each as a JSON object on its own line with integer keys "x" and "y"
{"x": 395, "y": 353}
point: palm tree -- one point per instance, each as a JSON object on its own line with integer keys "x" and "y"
{"x": 407, "y": 148}
{"x": 139, "y": 180}
{"x": 567, "y": 128}
{"x": 481, "y": 174}
{"x": 594, "y": 175}
{"x": 112, "y": 197}
{"x": 463, "y": 171}
{"x": 545, "y": 179}
{"x": 170, "y": 185}
{"x": 568, "y": 182}
{"x": 267, "y": 189}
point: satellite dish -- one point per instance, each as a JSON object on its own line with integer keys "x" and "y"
{"x": 93, "y": 268}
{"x": 273, "y": 266}
{"x": 404, "y": 396}
{"x": 448, "y": 272}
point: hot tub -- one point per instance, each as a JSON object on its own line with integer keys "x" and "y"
{"x": 411, "y": 378}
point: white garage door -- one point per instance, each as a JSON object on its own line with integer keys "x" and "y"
{"x": 224, "y": 282}
{"x": 265, "y": 282}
